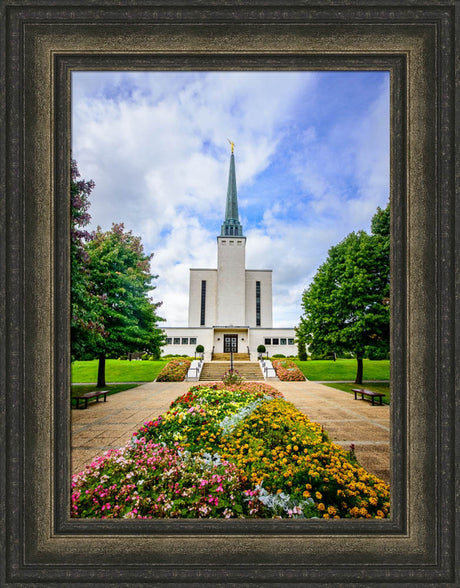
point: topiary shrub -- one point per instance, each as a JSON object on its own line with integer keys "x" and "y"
{"x": 199, "y": 349}
{"x": 261, "y": 349}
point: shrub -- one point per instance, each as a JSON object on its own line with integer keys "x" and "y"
{"x": 278, "y": 355}
{"x": 261, "y": 349}
{"x": 199, "y": 349}
{"x": 174, "y": 371}
{"x": 302, "y": 351}
{"x": 287, "y": 371}
{"x": 232, "y": 377}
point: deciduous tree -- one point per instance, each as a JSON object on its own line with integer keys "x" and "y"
{"x": 85, "y": 325}
{"x": 121, "y": 282}
{"x": 346, "y": 307}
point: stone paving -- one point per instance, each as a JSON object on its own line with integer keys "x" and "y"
{"x": 107, "y": 425}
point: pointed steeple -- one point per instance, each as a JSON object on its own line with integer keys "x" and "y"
{"x": 231, "y": 225}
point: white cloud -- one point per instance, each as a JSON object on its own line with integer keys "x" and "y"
{"x": 156, "y": 147}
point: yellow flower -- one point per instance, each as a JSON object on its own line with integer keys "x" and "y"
{"x": 318, "y": 495}
{"x": 321, "y": 506}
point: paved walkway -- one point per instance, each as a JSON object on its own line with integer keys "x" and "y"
{"x": 107, "y": 425}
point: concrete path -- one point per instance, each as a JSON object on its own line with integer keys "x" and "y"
{"x": 107, "y": 425}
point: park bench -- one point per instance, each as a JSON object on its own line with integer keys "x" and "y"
{"x": 89, "y": 396}
{"x": 369, "y": 393}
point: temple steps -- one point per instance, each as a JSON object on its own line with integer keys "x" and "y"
{"x": 226, "y": 357}
{"x": 249, "y": 371}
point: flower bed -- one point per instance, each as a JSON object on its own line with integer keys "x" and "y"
{"x": 174, "y": 371}
{"x": 222, "y": 452}
{"x": 287, "y": 371}
{"x": 154, "y": 481}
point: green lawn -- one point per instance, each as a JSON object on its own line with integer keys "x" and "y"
{"x": 78, "y": 390}
{"x": 380, "y": 387}
{"x": 117, "y": 370}
{"x": 344, "y": 369}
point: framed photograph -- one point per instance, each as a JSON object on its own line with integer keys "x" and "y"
{"x": 45, "y": 46}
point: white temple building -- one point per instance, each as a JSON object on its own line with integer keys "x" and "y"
{"x": 230, "y": 307}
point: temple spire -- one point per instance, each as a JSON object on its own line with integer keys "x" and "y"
{"x": 231, "y": 225}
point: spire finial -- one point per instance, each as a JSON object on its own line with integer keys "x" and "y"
{"x": 232, "y": 226}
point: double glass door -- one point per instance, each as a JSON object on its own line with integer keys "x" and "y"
{"x": 230, "y": 343}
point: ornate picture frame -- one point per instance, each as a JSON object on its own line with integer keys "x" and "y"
{"x": 44, "y": 42}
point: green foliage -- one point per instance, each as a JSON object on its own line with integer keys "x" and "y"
{"x": 346, "y": 307}
{"x": 121, "y": 282}
{"x": 261, "y": 349}
{"x": 84, "y": 325}
{"x": 380, "y": 224}
{"x": 199, "y": 349}
{"x": 301, "y": 346}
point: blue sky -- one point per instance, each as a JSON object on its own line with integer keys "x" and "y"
{"x": 312, "y": 165}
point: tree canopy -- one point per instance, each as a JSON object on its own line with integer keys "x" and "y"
{"x": 121, "y": 281}
{"x": 85, "y": 325}
{"x": 346, "y": 307}
{"x": 111, "y": 309}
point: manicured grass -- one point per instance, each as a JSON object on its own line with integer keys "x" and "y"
{"x": 380, "y": 387}
{"x": 117, "y": 370}
{"x": 344, "y": 369}
{"x": 78, "y": 390}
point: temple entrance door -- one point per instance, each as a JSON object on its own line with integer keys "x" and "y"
{"x": 230, "y": 343}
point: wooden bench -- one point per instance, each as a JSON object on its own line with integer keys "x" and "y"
{"x": 90, "y": 396}
{"x": 369, "y": 393}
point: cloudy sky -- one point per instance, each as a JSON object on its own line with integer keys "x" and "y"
{"x": 312, "y": 165}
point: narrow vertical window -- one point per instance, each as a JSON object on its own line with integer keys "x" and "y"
{"x": 257, "y": 304}
{"x": 203, "y": 302}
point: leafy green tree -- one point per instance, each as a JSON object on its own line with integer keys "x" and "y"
{"x": 380, "y": 224}
{"x": 85, "y": 326}
{"x": 121, "y": 282}
{"x": 346, "y": 307}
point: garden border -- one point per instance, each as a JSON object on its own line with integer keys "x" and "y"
{"x": 42, "y": 42}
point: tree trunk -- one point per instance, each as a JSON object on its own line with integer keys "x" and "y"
{"x": 101, "y": 371}
{"x": 359, "y": 373}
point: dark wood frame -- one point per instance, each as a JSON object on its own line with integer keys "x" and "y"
{"x": 42, "y": 41}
